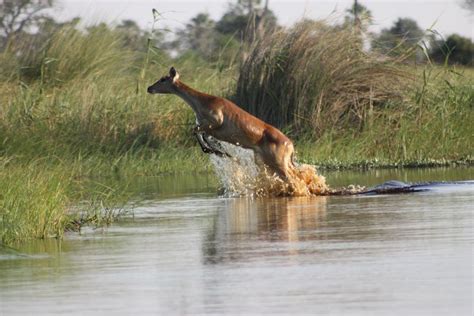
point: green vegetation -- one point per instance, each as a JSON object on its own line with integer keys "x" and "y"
{"x": 433, "y": 127}
{"x": 76, "y": 121}
{"x": 455, "y": 49}
{"x": 315, "y": 77}
{"x": 402, "y": 36}
{"x": 39, "y": 201}
{"x": 349, "y": 107}
{"x": 76, "y": 116}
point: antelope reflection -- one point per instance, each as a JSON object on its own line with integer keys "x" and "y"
{"x": 247, "y": 225}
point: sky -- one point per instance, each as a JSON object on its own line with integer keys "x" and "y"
{"x": 444, "y": 16}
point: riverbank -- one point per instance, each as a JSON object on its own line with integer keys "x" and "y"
{"x": 45, "y": 197}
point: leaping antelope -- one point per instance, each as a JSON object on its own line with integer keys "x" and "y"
{"x": 225, "y": 121}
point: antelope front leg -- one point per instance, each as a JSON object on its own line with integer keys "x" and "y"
{"x": 208, "y": 146}
{"x": 200, "y": 138}
{"x": 216, "y": 146}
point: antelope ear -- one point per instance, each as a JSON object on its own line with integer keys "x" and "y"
{"x": 174, "y": 74}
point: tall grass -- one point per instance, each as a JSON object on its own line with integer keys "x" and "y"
{"x": 347, "y": 106}
{"x": 33, "y": 204}
{"x": 433, "y": 127}
{"x": 80, "y": 90}
{"x": 38, "y": 200}
{"x": 74, "y": 111}
{"x": 313, "y": 77}
{"x": 439, "y": 134}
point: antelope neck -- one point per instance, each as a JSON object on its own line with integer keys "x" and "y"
{"x": 193, "y": 97}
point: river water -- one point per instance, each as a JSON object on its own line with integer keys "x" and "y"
{"x": 188, "y": 251}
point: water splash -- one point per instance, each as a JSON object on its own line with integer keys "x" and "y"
{"x": 241, "y": 176}
{"x": 237, "y": 173}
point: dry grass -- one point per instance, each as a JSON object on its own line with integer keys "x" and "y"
{"x": 313, "y": 77}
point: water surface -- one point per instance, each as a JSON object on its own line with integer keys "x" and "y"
{"x": 188, "y": 251}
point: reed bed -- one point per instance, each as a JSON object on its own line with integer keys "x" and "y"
{"x": 313, "y": 76}
{"x": 348, "y": 107}
{"x": 432, "y": 129}
{"x": 42, "y": 200}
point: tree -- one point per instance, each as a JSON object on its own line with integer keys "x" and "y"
{"x": 232, "y": 22}
{"x": 402, "y": 36}
{"x": 18, "y": 15}
{"x": 134, "y": 37}
{"x": 455, "y": 49}
{"x": 358, "y": 16}
{"x": 47, "y": 25}
{"x": 198, "y": 35}
{"x": 247, "y": 19}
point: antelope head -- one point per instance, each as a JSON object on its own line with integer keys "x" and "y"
{"x": 166, "y": 84}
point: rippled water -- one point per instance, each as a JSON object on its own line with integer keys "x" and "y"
{"x": 187, "y": 251}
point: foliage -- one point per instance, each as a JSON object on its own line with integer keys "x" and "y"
{"x": 220, "y": 41}
{"x": 134, "y": 38}
{"x": 199, "y": 36}
{"x": 37, "y": 200}
{"x": 454, "y": 50}
{"x": 244, "y": 17}
{"x": 358, "y": 16}
{"x": 433, "y": 128}
{"x": 403, "y": 36}
{"x": 16, "y": 16}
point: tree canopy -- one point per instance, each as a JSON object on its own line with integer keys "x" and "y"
{"x": 198, "y": 35}
{"x": 17, "y": 16}
{"x": 358, "y": 16}
{"x": 455, "y": 49}
{"x": 246, "y": 15}
{"x": 403, "y": 35}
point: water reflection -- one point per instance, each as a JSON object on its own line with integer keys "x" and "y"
{"x": 245, "y": 222}
{"x": 243, "y": 229}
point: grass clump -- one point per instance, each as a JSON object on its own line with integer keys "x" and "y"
{"x": 39, "y": 200}
{"x": 68, "y": 54}
{"x": 32, "y": 204}
{"x": 433, "y": 128}
{"x": 313, "y": 77}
